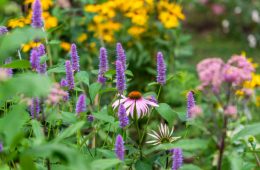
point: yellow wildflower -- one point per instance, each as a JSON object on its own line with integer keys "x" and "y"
{"x": 46, "y": 4}
{"x": 30, "y": 45}
{"x": 20, "y": 22}
{"x": 135, "y": 31}
{"x": 65, "y": 46}
{"x": 82, "y": 38}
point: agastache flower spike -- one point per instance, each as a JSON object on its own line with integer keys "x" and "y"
{"x": 3, "y": 30}
{"x": 177, "y": 158}
{"x": 81, "y": 104}
{"x": 35, "y": 108}
{"x": 74, "y": 57}
{"x": 122, "y": 116}
{"x": 161, "y": 69}
{"x": 37, "y": 14}
{"x": 34, "y": 59}
{"x": 103, "y": 65}
{"x": 119, "y": 147}
{"x": 63, "y": 83}
{"x": 190, "y": 104}
{"x": 120, "y": 77}
{"x": 69, "y": 75}
{"x": 121, "y": 54}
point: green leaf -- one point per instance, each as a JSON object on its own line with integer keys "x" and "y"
{"x": 141, "y": 165}
{"x": 185, "y": 144}
{"x": 28, "y": 84}
{"x": 12, "y": 124}
{"x": 18, "y": 64}
{"x": 12, "y": 41}
{"x": 26, "y": 163}
{"x": 104, "y": 117}
{"x": 38, "y": 131}
{"x": 252, "y": 129}
{"x": 69, "y": 131}
{"x": 236, "y": 162}
{"x": 83, "y": 76}
{"x": 93, "y": 90}
{"x": 102, "y": 164}
{"x": 189, "y": 167}
{"x": 167, "y": 113}
{"x": 59, "y": 69}
{"x": 43, "y": 59}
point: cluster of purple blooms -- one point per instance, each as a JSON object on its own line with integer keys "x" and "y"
{"x": 177, "y": 158}
{"x": 35, "y": 58}
{"x": 37, "y": 21}
{"x": 213, "y": 72}
{"x": 3, "y": 30}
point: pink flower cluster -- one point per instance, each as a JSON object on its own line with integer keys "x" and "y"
{"x": 56, "y": 95}
{"x": 213, "y": 72}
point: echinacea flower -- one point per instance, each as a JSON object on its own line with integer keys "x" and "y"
{"x": 123, "y": 118}
{"x": 120, "y": 77}
{"x": 161, "y": 69}
{"x": 119, "y": 147}
{"x": 69, "y": 75}
{"x": 103, "y": 65}
{"x": 121, "y": 54}
{"x": 81, "y": 104}
{"x": 74, "y": 57}
{"x": 135, "y": 102}
{"x": 163, "y": 136}
{"x": 35, "y": 107}
{"x": 37, "y": 14}
{"x": 190, "y": 103}
{"x": 177, "y": 158}
{"x": 3, "y": 30}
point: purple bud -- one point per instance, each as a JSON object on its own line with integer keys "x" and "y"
{"x": 190, "y": 104}
{"x": 63, "y": 83}
{"x": 3, "y": 30}
{"x": 120, "y": 77}
{"x": 37, "y": 14}
{"x": 103, "y": 65}
{"x": 9, "y": 70}
{"x": 69, "y": 75}
{"x": 119, "y": 147}
{"x": 122, "y": 116}
{"x": 177, "y": 158}
{"x": 34, "y": 59}
{"x": 35, "y": 108}
{"x": 74, "y": 57}
{"x": 121, "y": 54}
{"x": 66, "y": 97}
{"x": 81, "y": 104}
{"x": 1, "y": 147}
{"x": 91, "y": 118}
{"x": 42, "y": 68}
{"x": 161, "y": 69}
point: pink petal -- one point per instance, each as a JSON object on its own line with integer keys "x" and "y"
{"x": 151, "y": 103}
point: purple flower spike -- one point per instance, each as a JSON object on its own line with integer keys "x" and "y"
{"x": 34, "y": 59}
{"x": 121, "y": 54}
{"x": 41, "y": 50}
{"x": 66, "y": 97}
{"x": 42, "y": 68}
{"x": 177, "y": 158}
{"x": 69, "y": 75}
{"x": 35, "y": 108}
{"x": 1, "y": 147}
{"x": 74, "y": 57}
{"x": 103, "y": 65}
{"x": 37, "y": 14}
{"x": 63, "y": 83}
{"x": 190, "y": 104}
{"x": 3, "y": 30}
{"x": 161, "y": 69}
{"x": 123, "y": 119}
{"x": 120, "y": 77}
{"x": 81, "y": 104}
{"x": 9, "y": 70}
{"x": 91, "y": 118}
{"x": 119, "y": 147}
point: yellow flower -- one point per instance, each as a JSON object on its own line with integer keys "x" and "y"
{"x": 82, "y": 37}
{"x": 30, "y": 45}
{"x": 92, "y": 45}
{"x": 65, "y": 46}
{"x": 19, "y": 22}
{"x": 135, "y": 31}
{"x": 258, "y": 101}
{"x": 46, "y": 4}
{"x": 50, "y": 22}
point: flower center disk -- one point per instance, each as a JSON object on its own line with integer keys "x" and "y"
{"x": 135, "y": 95}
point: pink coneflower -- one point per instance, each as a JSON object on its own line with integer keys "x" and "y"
{"x": 135, "y": 102}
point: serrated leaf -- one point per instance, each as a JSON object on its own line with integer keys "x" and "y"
{"x": 252, "y": 129}
{"x": 83, "y": 76}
